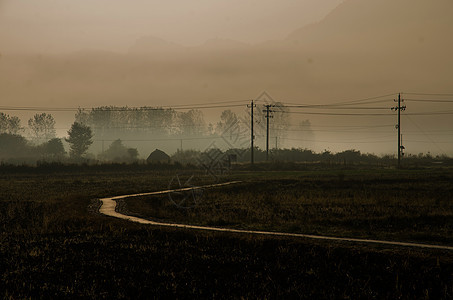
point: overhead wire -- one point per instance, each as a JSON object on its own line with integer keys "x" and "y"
{"x": 431, "y": 113}
{"x": 127, "y": 108}
{"x": 337, "y": 107}
{"x": 335, "y": 114}
{"x": 358, "y": 104}
{"x": 350, "y": 102}
{"x": 337, "y": 142}
{"x": 429, "y": 100}
{"x": 426, "y": 135}
{"x": 345, "y": 126}
{"x": 160, "y": 139}
{"x": 429, "y": 94}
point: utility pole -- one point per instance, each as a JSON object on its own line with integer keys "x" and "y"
{"x": 267, "y": 111}
{"x": 399, "y": 108}
{"x": 252, "y": 159}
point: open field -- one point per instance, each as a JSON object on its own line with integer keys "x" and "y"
{"x": 53, "y": 243}
{"x": 408, "y": 206}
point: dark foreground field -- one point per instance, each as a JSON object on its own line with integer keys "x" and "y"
{"x": 54, "y": 244}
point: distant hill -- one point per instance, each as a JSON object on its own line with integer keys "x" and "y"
{"x": 362, "y": 47}
{"x": 154, "y": 45}
{"x": 149, "y": 45}
{"x": 384, "y": 25}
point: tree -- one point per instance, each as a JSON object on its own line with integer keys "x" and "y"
{"x": 80, "y": 139}
{"x": 10, "y": 125}
{"x": 305, "y": 134}
{"x": 54, "y": 148}
{"x": 133, "y": 153}
{"x": 117, "y": 152}
{"x": 192, "y": 123}
{"x": 228, "y": 119}
{"x": 350, "y": 156}
{"x": 12, "y": 146}
{"x": 42, "y": 126}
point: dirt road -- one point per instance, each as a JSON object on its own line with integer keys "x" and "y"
{"x": 109, "y": 204}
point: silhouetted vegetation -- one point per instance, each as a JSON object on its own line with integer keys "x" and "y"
{"x": 293, "y": 158}
{"x": 118, "y": 153}
{"x": 55, "y": 244}
{"x": 10, "y": 124}
{"x": 156, "y": 126}
{"x": 42, "y": 126}
{"x": 80, "y": 139}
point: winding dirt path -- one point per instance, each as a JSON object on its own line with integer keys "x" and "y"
{"x": 108, "y": 206}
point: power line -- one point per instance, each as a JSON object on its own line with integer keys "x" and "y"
{"x": 347, "y": 131}
{"x": 433, "y": 132}
{"x": 335, "y": 107}
{"x": 428, "y": 94}
{"x": 110, "y": 109}
{"x": 146, "y": 108}
{"x": 430, "y": 100}
{"x": 220, "y": 102}
{"x": 432, "y": 113}
{"x": 349, "y": 102}
{"x": 427, "y": 142}
{"x": 334, "y": 114}
{"x": 158, "y": 140}
{"x": 24, "y": 108}
{"x": 419, "y": 128}
{"x": 336, "y": 142}
{"x": 344, "y": 126}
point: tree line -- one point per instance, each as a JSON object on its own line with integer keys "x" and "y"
{"x": 105, "y": 123}
{"x": 117, "y": 124}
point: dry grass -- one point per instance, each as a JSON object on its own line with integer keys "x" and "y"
{"x": 53, "y": 244}
{"x": 411, "y": 206}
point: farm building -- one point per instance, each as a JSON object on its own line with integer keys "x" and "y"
{"x": 158, "y": 156}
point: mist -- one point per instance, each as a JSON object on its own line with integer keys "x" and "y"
{"x": 66, "y": 54}
{"x": 51, "y": 26}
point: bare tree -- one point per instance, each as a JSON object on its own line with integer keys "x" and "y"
{"x": 227, "y": 119}
{"x": 43, "y": 127}
{"x": 192, "y": 123}
{"x": 10, "y": 125}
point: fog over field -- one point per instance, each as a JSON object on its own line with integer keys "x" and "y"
{"x": 68, "y": 54}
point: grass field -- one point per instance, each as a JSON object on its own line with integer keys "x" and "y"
{"x": 405, "y": 206}
{"x": 53, "y": 243}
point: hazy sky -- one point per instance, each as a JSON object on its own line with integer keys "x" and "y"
{"x": 364, "y": 48}
{"x": 70, "y": 25}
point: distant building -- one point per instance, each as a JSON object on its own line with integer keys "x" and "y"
{"x": 158, "y": 156}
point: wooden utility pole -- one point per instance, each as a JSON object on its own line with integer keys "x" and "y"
{"x": 399, "y": 131}
{"x": 252, "y": 137}
{"x": 267, "y": 111}
{"x": 399, "y": 108}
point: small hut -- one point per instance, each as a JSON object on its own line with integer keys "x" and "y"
{"x": 158, "y": 156}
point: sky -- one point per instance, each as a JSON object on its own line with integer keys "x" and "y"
{"x": 84, "y": 53}
{"x": 52, "y": 26}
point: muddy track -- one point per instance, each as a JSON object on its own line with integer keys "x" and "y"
{"x": 108, "y": 206}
